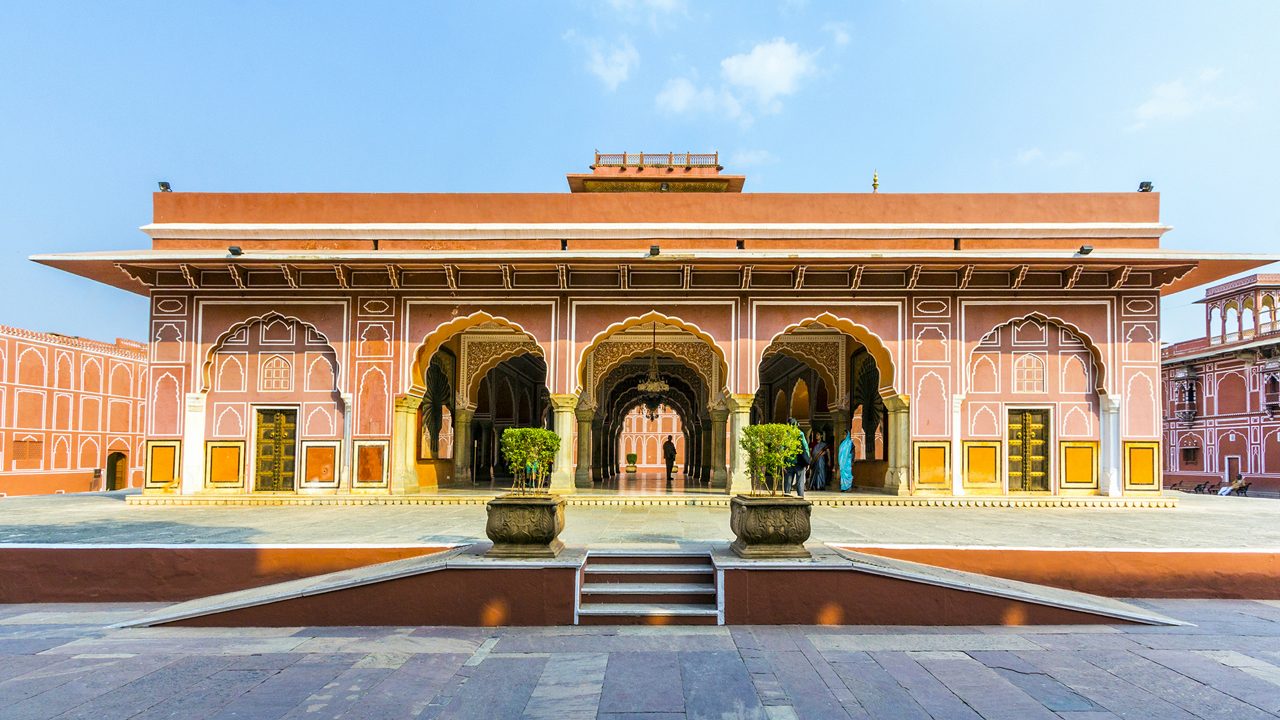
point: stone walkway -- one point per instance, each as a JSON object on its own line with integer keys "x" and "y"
{"x": 1198, "y": 522}
{"x": 61, "y": 661}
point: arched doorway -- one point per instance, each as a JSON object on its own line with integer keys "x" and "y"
{"x": 482, "y": 376}
{"x": 652, "y": 361}
{"x": 117, "y": 472}
{"x": 830, "y": 376}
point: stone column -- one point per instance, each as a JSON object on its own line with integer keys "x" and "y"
{"x": 719, "y": 473}
{"x": 897, "y": 480}
{"x": 192, "y": 469}
{"x": 462, "y": 444}
{"x": 562, "y": 474}
{"x": 704, "y": 451}
{"x": 582, "y": 478}
{"x": 957, "y": 449}
{"x": 1112, "y": 480}
{"x": 839, "y": 426}
{"x": 740, "y": 418}
{"x": 404, "y": 445}
{"x": 348, "y": 444}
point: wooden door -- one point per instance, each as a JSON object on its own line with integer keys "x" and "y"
{"x": 1233, "y": 468}
{"x": 1028, "y": 443}
{"x": 117, "y": 471}
{"x": 276, "y": 450}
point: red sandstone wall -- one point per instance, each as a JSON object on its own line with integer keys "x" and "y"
{"x": 67, "y": 404}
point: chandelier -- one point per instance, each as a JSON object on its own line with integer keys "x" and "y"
{"x": 653, "y": 384}
{"x": 652, "y": 406}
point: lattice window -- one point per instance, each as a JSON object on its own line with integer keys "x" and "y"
{"x": 27, "y": 454}
{"x": 276, "y": 375}
{"x": 1028, "y": 374}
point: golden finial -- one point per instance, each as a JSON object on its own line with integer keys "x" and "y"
{"x": 875, "y": 181}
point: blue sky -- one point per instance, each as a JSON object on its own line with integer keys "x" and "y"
{"x": 98, "y": 101}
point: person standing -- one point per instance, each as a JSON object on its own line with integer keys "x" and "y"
{"x": 669, "y": 455}
{"x": 820, "y": 462}
{"x": 799, "y": 470}
{"x": 846, "y": 463}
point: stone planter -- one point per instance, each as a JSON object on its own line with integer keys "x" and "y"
{"x": 631, "y": 469}
{"x": 769, "y": 526}
{"x": 525, "y": 526}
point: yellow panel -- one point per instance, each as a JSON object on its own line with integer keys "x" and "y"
{"x": 1141, "y": 469}
{"x": 225, "y": 464}
{"x": 163, "y": 464}
{"x": 1079, "y": 464}
{"x": 321, "y": 461}
{"x": 982, "y": 464}
{"x": 370, "y": 460}
{"x": 931, "y": 465}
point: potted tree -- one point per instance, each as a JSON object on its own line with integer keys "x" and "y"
{"x": 767, "y": 523}
{"x": 526, "y": 522}
{"x": 631, "y": 462}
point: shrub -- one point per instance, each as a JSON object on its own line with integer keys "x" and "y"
{"x": 771, "y": 449}
{"x": 631, "y": 458}
{"x": 529, "y": 453}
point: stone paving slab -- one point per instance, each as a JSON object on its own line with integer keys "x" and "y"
{"x": 769, "y": 673}
{"x": 102, "y": 519}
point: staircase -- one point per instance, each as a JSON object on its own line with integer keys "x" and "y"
{"x": 648, "y": 589}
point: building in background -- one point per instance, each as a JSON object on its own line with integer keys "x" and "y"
{"x": 375, "y": 344}
{"x": 1222, "y": 391}
{"x": 73, "y": 413}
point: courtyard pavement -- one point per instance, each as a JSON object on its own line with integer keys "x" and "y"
{"x": 1205, "y": 522}
{"x": 62, "y": 661}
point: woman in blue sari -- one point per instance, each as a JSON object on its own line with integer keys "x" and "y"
{"x": 846, "y": 463}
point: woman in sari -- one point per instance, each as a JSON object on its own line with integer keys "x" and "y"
{"x": 820, "y": 463}
{"x": 846, "y": 463}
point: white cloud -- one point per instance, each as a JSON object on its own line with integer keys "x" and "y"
{"x": 611, "y": 64}
{"x": 762, "y": 76}
{"x": 1028, "y": 156}
{"x": 747, "y": 158}
{"x": 771, "y": 70}
{"x": 1036, "y": 156}
{"x": 1183, "y": 98}
{"x": 681, "y": 96}
{"x": 839, "y": 32}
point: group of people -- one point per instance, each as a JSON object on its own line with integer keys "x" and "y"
{"x": 813, "y": 466}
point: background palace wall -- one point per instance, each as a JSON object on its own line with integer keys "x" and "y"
{"x": 71, "y": 413}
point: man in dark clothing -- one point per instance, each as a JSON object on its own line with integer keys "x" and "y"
{"x": 669, "y": 454}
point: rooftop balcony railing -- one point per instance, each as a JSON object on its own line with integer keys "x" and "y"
{"x": 657, "y": 160}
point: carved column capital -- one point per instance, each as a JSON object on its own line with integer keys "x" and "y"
{"x": 407, "y": 403}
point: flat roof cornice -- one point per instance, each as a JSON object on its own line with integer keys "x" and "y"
{"x": 617, "y": 231}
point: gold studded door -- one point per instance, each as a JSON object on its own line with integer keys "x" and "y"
{"x": 1029, "y": 450}
{"x": 276, "y": 450}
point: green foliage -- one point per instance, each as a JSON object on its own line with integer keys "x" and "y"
{"x": 771, "y": 449}
{"x": 631, "y": 458}
{"x": 529, "y": 453}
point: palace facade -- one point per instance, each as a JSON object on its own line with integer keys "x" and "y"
{"x": 71, "y": 413}
{"x": 380, "y": 344}
{"x": 1222, "y": 391}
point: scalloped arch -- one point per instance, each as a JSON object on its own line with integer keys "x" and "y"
{"x": 649, "y": 317}
{"x": 872, "y": 342}
{"x": 1100, "y": 378}
{"x": 444, "y": 331}
{"x": 271, "y": 316}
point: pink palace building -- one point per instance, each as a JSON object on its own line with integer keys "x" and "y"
{"x": 1222, "y": 391}
{"x": 72, "y": 413}
{"x": 334, "y": 344}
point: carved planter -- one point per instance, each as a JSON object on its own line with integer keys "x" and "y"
{"x": 769, "y": 526}
{"x": 525, "y": 526}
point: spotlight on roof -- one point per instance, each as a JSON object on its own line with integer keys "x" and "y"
{"x": 1085, "y": 249}
{"x": 1146, "y": 186}
{"x": 654, "y": 251}
{"x": 164, "y": 186}
{"x": 235, "y": 251}
{"x": 664, "y": 187}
